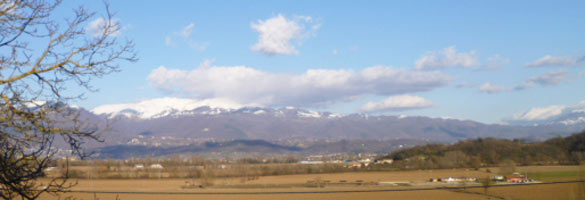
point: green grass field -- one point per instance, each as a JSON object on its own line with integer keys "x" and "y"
{"x": 555, "y": 175}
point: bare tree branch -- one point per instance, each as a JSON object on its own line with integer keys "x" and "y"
{"x": 33, "y": 107}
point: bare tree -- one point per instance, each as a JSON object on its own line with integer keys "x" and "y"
{"x": 40, "y": 58}
{"x": 486, "y": 183}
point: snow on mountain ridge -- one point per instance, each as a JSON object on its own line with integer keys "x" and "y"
{"x": 573, "y": 121}
{"x": 555, "y": 114}
{"x": 309, "y": 114}
{"x": 161, "y": 107}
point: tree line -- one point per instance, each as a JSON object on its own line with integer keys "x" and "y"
{"x": 486, "y": 152}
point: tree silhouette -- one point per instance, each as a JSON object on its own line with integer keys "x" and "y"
{"x": 40, "y": 58}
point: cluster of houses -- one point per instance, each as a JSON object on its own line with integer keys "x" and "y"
{"x": 366, "y": 160}
{"x": 454, "y": 179}
{"x": 515, "y": 178}
{"x": 519, "y": 180}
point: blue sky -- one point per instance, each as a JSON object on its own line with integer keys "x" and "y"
{"x": 487, "y": 61}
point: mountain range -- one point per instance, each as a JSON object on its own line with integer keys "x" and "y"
{"x": 170, "y": 123}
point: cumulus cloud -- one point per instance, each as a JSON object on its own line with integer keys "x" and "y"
{"x": 397, "y": 103}
{"x": 315, "y": 87}
{"x": 98, "y": 26}
{"x": 446, "y": 58}
{"x": 277, "y": 34}
{"x": 566, "y": 61}
{"x": 550, "y": 78}
{"x": 491, "y": 88}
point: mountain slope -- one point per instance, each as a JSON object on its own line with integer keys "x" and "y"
{"x": 166, "y": 126}
{"x": 492, "y": 151}
{"x": 290, "y": 124}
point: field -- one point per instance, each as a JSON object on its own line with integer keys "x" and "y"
{"x": 295, "y": 186}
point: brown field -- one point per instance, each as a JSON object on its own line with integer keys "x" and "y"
{"x": 336, "y": 196}
{"x": 295, "y": 182}
{"x": 556, "y": 191}
{"x": 403, "y": 176}
{"x": 557, "y": 168}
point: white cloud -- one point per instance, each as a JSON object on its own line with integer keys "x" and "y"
{"x": 187, "y": 31}
{"x": 277, "y": 34}
{"x": 567, "y": 61}
{"x": 579, "y": 108}
{"x": 397, "y": 103}
{"x": 542, "y": 113}
{"x": 335, "y": 52}
{"x": 550, "y": 78}
{"x": 313, "y": 88}
{"x": 206, "y": 63}
{"x": 448, "y": 57}
{"x": 495, "y": 62}
{"x": 546, "y": 79}
{"x": 98, "y": 26}
{"x": 185, "y": 35}
{"x": 492, "y": 88}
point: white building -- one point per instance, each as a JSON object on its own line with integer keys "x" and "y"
{"x": 311, "y": 162}
{"x": 156, "y": 166}
{"x": 384, "y": 161}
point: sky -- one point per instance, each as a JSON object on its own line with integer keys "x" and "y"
{"x": 488, "y": 61}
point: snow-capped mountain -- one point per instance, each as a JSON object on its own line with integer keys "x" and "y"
{"x": 163, "y": 107}
{"x": 180, "y": 122}
{"x": 555, "y": 114}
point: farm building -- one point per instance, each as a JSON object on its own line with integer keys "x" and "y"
{"x": 498, "y": 178}
{"x": 519, "y": 180}
{"x": 457, "y": 179}
{"x": 311, "y": 162}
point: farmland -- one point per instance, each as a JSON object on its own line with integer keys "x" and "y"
{"x": 351, "y": 185}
